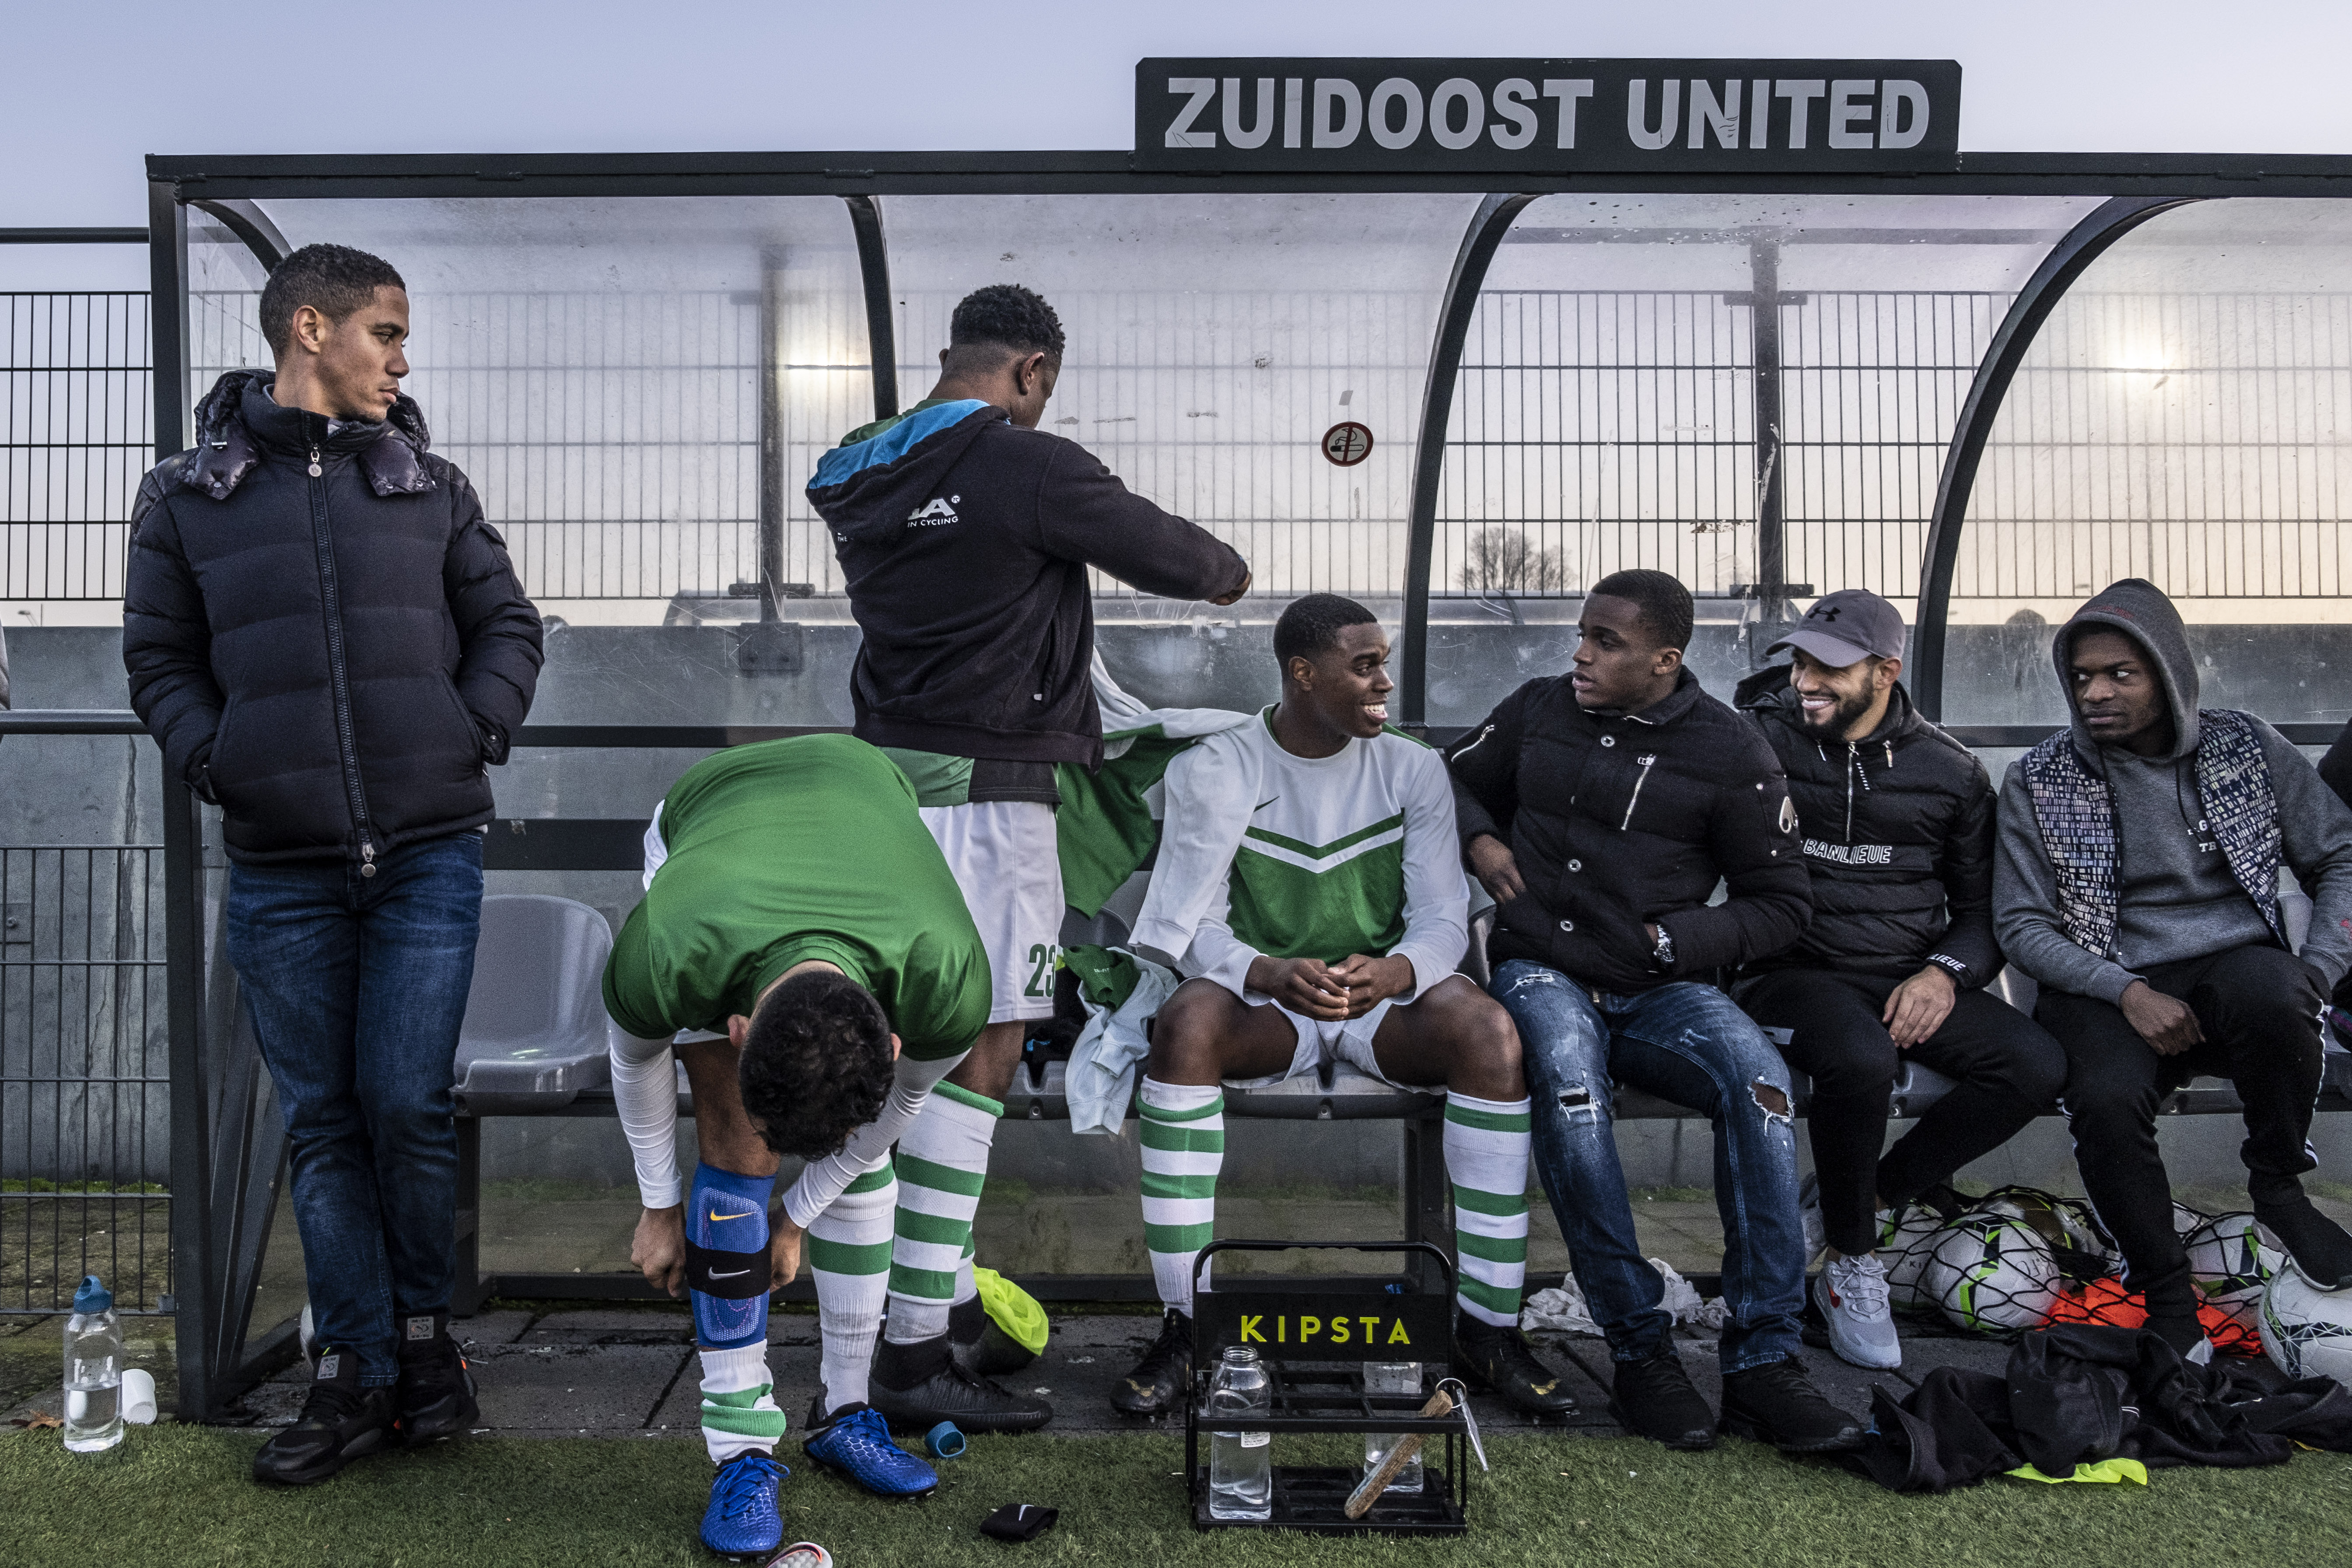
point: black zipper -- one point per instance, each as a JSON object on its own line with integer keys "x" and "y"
{"x": 338, "y": 674}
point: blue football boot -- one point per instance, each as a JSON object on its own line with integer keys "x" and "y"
{"x": 743, "y": 1520}
{"x": 857, "y": 1442}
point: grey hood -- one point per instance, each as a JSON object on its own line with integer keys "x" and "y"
{"x": 2138, "y": 609}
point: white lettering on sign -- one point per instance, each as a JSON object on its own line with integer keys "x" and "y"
{"x": 1511, "y": 102}
{"x": 1336, "y": 92}
{"x": 1469, "y": 114}
{"x": 1637, "y": 114}
{"x": 1180, "y": 133}
{"x": 1396, "y": 89}
{"x": 1844, "y": 112}
{"x": 1256, "y": 136}
{"x": 1568, "y": 92}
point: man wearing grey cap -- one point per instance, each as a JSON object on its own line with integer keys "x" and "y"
{"x": 1895, "y": 820}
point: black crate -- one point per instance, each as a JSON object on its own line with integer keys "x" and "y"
{"x": 1313, "y": 1345}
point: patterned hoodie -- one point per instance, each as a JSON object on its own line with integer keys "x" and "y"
{"x": 2111, "y": 863}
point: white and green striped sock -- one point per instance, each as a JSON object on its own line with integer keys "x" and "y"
{"x": 1486, "y": 1156}
{"x": 739, "y": 1403}
{"x": 849, "y": 1254}
{"x": 1183, "y": 1131}
{"x": 942, "y": 1165}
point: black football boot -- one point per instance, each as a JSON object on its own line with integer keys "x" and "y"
{"x": 1496, "y": 1357}
{"x": 436, "y": 1386}
{"x": 1778, "y": 1403}
{"x": 340, "y": 1422}
{"x": 918, "y": 1386}
{"x": 1157, "y": 1386}
{"x": 1654, "y": 1399}
{"x": 985, "y": 1350}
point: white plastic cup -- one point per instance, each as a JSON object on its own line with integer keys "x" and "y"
{"x": 138, "y": 1397}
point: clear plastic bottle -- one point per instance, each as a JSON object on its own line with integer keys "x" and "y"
{"x": 1393, "y": 1377}
{"x": 93, "y": 1370}
{"x": 1241, "y": 1462}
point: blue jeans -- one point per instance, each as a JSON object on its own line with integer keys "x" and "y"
{"x": 1692, "y": 1045}
{"x": 357, "y": 986}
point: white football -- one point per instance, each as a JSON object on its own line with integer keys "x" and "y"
{"x": 2230, "y": 1264}
{"x": 1992, "y": 1273}
{"x": 1904, "y": 1245}
{"x": 2307, "y": 1331}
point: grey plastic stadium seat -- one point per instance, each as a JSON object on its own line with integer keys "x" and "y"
{"x": 1332, "y": 1092}
{"x": 2017, "y": 988}
{"x": 534, "y": 1031}
{"x": 1917, "y": 1086}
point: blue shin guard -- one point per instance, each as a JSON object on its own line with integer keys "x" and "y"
{"x": 728, "y": 1271}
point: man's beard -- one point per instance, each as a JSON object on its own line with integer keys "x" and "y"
{"x": 1844, "y": 716}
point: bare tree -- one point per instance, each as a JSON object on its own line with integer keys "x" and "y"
{"x": 1501, "y": 561}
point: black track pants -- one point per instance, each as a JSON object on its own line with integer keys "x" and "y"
{"x": 2259, "y": 1007}
{"x": 2008, "y": 1071}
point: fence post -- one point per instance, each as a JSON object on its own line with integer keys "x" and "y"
{"x": 194, "y": 1270}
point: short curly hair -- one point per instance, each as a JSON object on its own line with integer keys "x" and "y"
{"x": 816, "y": 1063}
{"x": 1001, "y": 320}
{"x": 333, "y": 280}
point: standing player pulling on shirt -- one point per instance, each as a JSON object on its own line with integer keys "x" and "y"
{"x": 793, "y": 903}
{"x": 1309, "y": 885}
{"x": 965, "y": 534}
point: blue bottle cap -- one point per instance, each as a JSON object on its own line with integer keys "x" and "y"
{"x": 944, "y": 1441}
{"x": 93, "y": 1297}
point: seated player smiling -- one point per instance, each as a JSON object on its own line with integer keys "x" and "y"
{"x": 1310, "y": 887}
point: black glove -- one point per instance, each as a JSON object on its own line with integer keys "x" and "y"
{"x": 1019, "y": 1521}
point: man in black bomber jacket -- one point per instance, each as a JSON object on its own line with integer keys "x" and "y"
{"x": 1601, "y": 808}
{"x": 327, "y": 640}
{"x": 1897, "y": 819}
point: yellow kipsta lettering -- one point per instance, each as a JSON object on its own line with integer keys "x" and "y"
{"x": 1249, "y": 1328}
{"x": 1308, "y": 1328}
{"x": 1338, "y": 1331}
{"x": 1371, "y": 1329}
{"x": 1397, "y": 1336}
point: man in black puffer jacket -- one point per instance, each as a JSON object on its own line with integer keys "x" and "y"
{"x": 327, "y": 640}
{"x": 1897, "y": 819}
{"x": 1601, "y": 808}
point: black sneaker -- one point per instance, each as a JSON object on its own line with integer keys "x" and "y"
{"x": 340, "y": 1422}
{"x": 437, "y": 1386}
{"x": 1776, "y": 1404}
{"x": 918, "y": 1386}
{"x": 1654, "y": 1399}
{"x": 1497, "y": 1357}
{"x": 2318, "y": 1245}
{"x": 1157, "y": 1385}
{"x": 985, "y": 1350}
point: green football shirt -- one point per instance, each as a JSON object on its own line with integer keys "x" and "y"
{"x": 792, "y": 850}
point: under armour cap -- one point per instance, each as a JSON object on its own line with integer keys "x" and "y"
{"x": 1847, "y": 627}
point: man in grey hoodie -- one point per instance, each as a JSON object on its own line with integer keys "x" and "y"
{"x": 2136, "y": 879}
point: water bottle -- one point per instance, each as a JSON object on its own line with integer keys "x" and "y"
{"x": 1391, "y": 1377}
{"x": 93, "y": 1370}
{"x": 1241, "y": 1463}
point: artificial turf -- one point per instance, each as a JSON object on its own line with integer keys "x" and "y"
{"x": 180, "y": 1496}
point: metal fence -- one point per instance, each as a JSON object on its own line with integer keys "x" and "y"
{"x": 74, "y": 440}
{"x": 84, "y": 1076}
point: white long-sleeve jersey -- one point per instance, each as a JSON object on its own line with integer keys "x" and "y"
{"x": 1264, "y": 852}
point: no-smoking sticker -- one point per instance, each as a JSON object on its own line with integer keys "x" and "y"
{"x": 1348, "y": 443}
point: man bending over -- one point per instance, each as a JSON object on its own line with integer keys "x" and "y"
{"x": 796, "y": 904}
{"x": 1309, "y": 887}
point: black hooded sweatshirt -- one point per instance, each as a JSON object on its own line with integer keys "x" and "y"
{"x": 321, "y": 632}
{"x": 964, "y": 542}
{"x": 1898, "y": 834}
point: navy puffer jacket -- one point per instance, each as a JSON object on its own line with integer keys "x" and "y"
{"x": 321, "y": 632}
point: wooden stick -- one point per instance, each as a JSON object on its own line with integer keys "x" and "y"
{"x": 1400, "y": 1454}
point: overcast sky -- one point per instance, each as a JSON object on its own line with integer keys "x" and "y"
{"x": 96, "y": 86}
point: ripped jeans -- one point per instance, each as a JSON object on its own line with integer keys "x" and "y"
{"x": 1692, "y": 1045}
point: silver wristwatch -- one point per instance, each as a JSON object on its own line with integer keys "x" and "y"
{"x": 1664, "y": 951}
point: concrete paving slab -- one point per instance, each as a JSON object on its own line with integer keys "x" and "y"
{"x": 649, "y": 1325}
{"x": 572, "y": 1390}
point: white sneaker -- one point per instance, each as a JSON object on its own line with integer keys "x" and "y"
{"x": 1851, "y": 1295}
